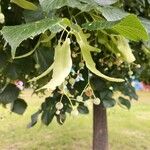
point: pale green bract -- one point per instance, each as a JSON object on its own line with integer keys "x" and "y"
{"x": 62, "y": 65}
{"x": 25, "y": 4}
{"x": 86, "y": 53}
{"x": 118, "y": 45}
{"x": 91, "y": 64}
{"x": 124, "y": 49}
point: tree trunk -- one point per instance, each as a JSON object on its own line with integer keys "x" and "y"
{"x": 100, "y": 132}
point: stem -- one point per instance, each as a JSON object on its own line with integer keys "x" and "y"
{"x": 100, "y": 132}
{"x": 30, "y": 52}
{"x": 69, "y": 100}
{"x": 84, "y": 89}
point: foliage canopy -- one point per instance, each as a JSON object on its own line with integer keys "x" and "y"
{"x": 82, "y": 51}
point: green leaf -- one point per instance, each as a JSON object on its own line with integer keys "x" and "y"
{"x": 34, "y": 119}
{"x": 48, "y": 5}
{"x": 105, "y": 94}
{"x": 98, "y": 84}
{"x": 9, "y": 94}
{"x": 32, "y": 16}
{"x": 82, "y": 109}
{"x": 99, "y": 25}
{"x": 25, "y": 4}
{"x": 110, "y": 102}
{"x": 86, "y": 49}
{"x": 62, "y": 65}
{"x": 49, "y": 109}
{"x": 47, "y": 117}
{"x": 84, "y": 5}
{"x": 106, "y": 97}
{"x": 43, "y": 57}
{"x": 11, "y": 71}
{"x": 14, "y": 35}
{"x": 146, "y": 23}
{"x": 128, "y": 90}
{"x": 125, "y": 102}
{"x": 105, "y": 2}
{"x": 113, "y": 13}
{"x": 131, "y": 28}
{"x": 3, "y": 60}
{"x": 19, "y": 106}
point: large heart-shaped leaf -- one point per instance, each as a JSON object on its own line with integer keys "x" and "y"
{"x": 124, "y": 102}
{"x": 113, "y": 13}
{"x": 19, "y": 106}
{"x": 99, "y": 25}
{"x": 48, "y": 5}
{"x": 83, "y": 5}
{"x": 14, "y": 35}
{"x": 9, "y": 94}
{"x": 48, "y": 110}
{"x": 131, "y": 28}
{"x": 105, "y": 2}
{"x": 109, "y": 102}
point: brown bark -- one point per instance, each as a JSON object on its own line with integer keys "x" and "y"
{"x": 100, "y": 132}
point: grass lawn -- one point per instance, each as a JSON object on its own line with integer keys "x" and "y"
{"x": 128, "y": 130}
